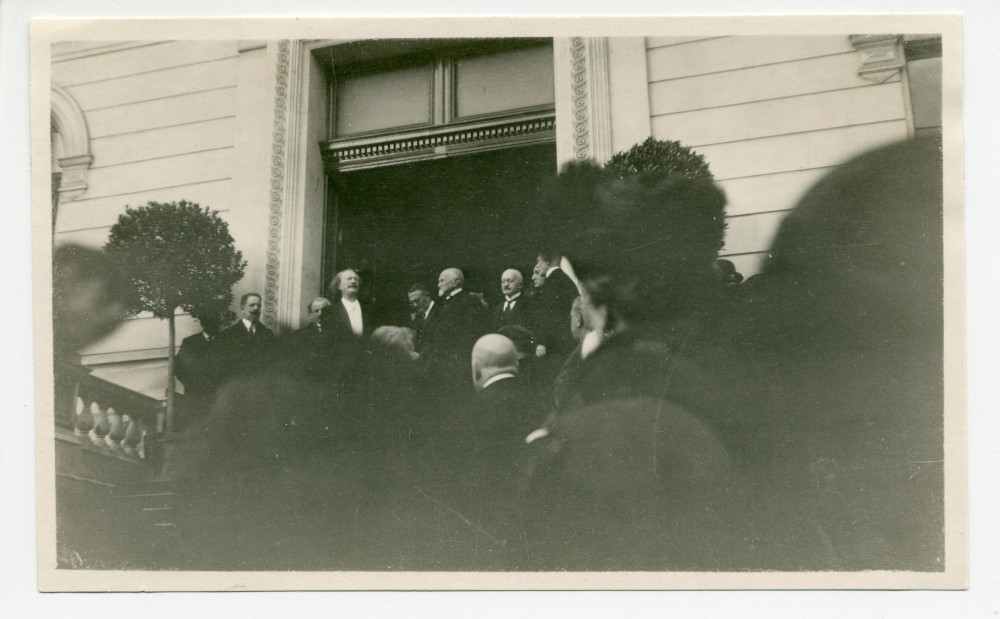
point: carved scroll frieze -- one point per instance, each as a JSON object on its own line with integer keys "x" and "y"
{"x": 279, "y": 152}
{"x": 581, "y": 111}
{"x": 591, "y": 103}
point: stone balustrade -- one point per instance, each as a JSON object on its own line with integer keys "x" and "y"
{"x": 113, "y": 419}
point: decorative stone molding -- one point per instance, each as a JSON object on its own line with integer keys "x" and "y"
{"x": 284, "y": 207}
{"x": 68, "y": 120}
{"x": 880, "y": 54}
{"x": 279, "y": 156}
{"x": 342, "y": 155}
{"x": 581, "y": 113}
{"x": 591, "y": 100}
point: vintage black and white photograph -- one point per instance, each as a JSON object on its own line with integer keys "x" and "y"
{"x": 484, "y": 302}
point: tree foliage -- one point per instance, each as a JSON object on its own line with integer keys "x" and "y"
{"x": 176, "y": 254}
{"x": 663, "y": 156}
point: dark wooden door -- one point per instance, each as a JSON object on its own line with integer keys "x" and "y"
{"x": 404, "y": 224}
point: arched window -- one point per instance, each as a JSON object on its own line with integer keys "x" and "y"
{"x": 71, "y": 156}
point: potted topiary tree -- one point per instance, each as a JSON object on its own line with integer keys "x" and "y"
{"x": 664, "y": 156}
{"x": 175, "y": 254}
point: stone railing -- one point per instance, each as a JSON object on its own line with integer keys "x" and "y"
{"x": 112, "y": 419}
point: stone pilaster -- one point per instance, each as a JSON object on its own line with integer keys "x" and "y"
{"x": 583, "y": 108}
{"x": 284, "y": 207}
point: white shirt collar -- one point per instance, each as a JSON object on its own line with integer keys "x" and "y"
{"x": 247, "y": 324}
{"x": 353, "y": 309}
{"x": 453, "y": 293}
{"x": 501, "y": 376}
{"x": 513, "y": 298}
{"x": 549, "y": 272}
{"x": 591, "y": 342}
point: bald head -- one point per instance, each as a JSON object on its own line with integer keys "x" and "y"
{"x": 449, "y": 280}
{"x": 493, "y": 354}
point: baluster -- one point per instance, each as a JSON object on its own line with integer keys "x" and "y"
{"x": 116, "y": 430}
{"x": 84, "y": 418}
{"x": 133, "y": 437}
{"x": 101, "y": 424}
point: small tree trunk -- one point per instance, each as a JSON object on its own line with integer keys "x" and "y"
{"x": 170, "y": 375}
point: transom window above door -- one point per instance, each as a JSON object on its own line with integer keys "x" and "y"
{"x": 453, "y": 82}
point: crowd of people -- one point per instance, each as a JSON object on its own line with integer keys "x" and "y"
{"x": 665, "y": 415}
{"x": 430, "y": 354}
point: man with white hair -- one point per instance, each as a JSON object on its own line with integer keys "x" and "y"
{"x": 448, "y": 339}
{"x": 348, "y": 317}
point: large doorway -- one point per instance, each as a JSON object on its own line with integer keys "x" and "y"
{"x": 402, "y": 224}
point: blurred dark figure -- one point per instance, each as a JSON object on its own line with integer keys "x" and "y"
{"x": 726, "y": 272}
{"x": 847, "y": 328}
{"x": 564, "y": 389}
{"x": 800, "y": 431}
{"x": 395, "y": 403}
{"x": 643, "y": 248}
{"x": 87, "y": 304}
{"x": 198, "y": 366}
{"x": 524, "y": 342}
{"x": 627, "y": 472}
{"x": 87, "y": 298}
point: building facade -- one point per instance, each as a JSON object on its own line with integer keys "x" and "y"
{"x": 390, "y": 155}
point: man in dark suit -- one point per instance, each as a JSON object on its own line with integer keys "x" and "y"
{"x": 243, "y": 341}
{"x": 314, "y": 311}
{"x": 550, "y": 310}
{"x": 447, "y": 339}
{"x": 197, "y": 366}
{"x": 492, "y": 433}
{"x": 512, "y": 310}
{"x": 311, "y": 348}
{"x": 503, "y": 406}
{"x": 422, "y": 311}
{"x": 349, "y": 318}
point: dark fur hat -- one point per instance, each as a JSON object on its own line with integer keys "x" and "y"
{"x": 639, "y": 243}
